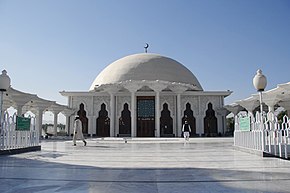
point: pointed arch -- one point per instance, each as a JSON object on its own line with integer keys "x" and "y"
{"x": 83, "y": 117}
{"x": 210, "y": 122}
{"x": 98, "y": 106}
{"x": 189, "y": 117}
{"x": 166, "y": 122}
{"x": 103, "y": 122}
{"x": 125, "y": 121}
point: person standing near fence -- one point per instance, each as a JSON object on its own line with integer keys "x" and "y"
{"x": 186, "y": 130}
{"x": 78, "y": 131}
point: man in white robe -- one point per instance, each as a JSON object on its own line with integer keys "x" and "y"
{"x": 78, "y": 131}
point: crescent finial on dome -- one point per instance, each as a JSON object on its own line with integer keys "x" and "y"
{"x": 146, "y": 47}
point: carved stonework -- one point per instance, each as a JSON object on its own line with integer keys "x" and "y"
{"x": 205, "y": 100}
{"x": 176, "y": 88}
{"x": 170, "y": 100}
{"x": 193, "y": 101}
{"x": 157, "y": 87}
{"x": 121, "y": 100}
{"x": 98, "y": 100}
{"x": 112, "y": 88}
{"x": 76, "y": 101}
{"x": 132, "y": 86}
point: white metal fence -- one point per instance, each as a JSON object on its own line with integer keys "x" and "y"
{"x": 10, "y": 138}
{"x": 270, "y": 136}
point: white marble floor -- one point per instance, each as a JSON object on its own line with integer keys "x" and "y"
{"x": 143, "y": 165}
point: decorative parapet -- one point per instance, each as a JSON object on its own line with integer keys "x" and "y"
{"x": 156, "y": 85}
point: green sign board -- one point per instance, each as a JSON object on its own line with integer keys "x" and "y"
{"x": 245, "y": 124}
{"x": 22, "y": 124}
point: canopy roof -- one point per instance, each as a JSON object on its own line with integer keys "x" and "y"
{"x": 279, "y": 96}
{"x": 31, "y": 102}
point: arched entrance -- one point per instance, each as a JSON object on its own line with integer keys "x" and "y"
{"x": 188, "y": 116}
{"x": 166, "y": 122}
{"x": 103, "y": 123}
{"x": 83, "y": 117}
{"x": 145, "y": 116}
{"x": 210, "y": 122}
{"x": 125, "y": 122}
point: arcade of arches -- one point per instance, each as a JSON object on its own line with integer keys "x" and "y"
{"x": 146, "y": 120}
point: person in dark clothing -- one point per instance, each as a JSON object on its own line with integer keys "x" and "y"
{"x": 186, "y": 130}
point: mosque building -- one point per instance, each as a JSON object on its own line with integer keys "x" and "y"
{"x": 147, "y": 95}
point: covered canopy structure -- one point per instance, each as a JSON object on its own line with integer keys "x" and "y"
{"x": 276, "y": 97}
{"x": 24, "y": 102}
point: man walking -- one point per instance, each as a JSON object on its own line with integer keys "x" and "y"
{"x": 186, "y": 131}
{"x": 78, "y": 131}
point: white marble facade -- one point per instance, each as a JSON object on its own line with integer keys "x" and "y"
{"x": 199, "y": 105}
{"x": 118, "y": 86}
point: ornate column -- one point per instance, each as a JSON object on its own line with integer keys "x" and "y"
{"x": 91, "y": 125}
{"x": 271, "y": 102}
{"x": 112, "y": 110}
{"x": 157, "y": 114}
{"x": 249, "y": 104}
{"x": 68, "y": 112}
{"x": 39, "y": 116}
{"x": 40, "y": 106}
{"x": 157, "y": 87}
{"x": 133, "y": 114}
{"x": 94, "y": 125}
{"x": 55, "y": 109}
{"x": 178, "y": 89}
{"x": 199, "y": 118}
{"x": 55, "y": 117}
{"x": 133, "y": 87}
{"x": 67, "y": 125}
{"x": 91, "y": 118}
{"x": 222, "y": 112}
{"x": 112, "y": 90}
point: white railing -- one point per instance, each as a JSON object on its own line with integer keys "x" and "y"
{"x": 10, "y": 138}
{"x": 271, "y": 137}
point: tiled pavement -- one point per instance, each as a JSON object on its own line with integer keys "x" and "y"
{"x": 142, "y": 165}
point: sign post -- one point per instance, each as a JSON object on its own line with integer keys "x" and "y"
{"x": 245, "y": 124}
{"x": 22, "y": 124}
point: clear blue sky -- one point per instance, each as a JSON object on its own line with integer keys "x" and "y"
{"x": 52, "y": 45}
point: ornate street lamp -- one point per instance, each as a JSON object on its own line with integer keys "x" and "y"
{"x": 260, "y": 83}
{"x": 4, "y": 85}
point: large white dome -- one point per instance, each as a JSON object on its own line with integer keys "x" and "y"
{"x": 145, "y": 66}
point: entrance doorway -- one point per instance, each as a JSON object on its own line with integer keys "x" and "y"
{"x": 166, "y": 122}
{"x": 125, "y": 122}
{"x": 145, "y": 116}
{"x": 103, "y": 123}
{"x": 210, "y": 122}
{"x": 83, "y": 117}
